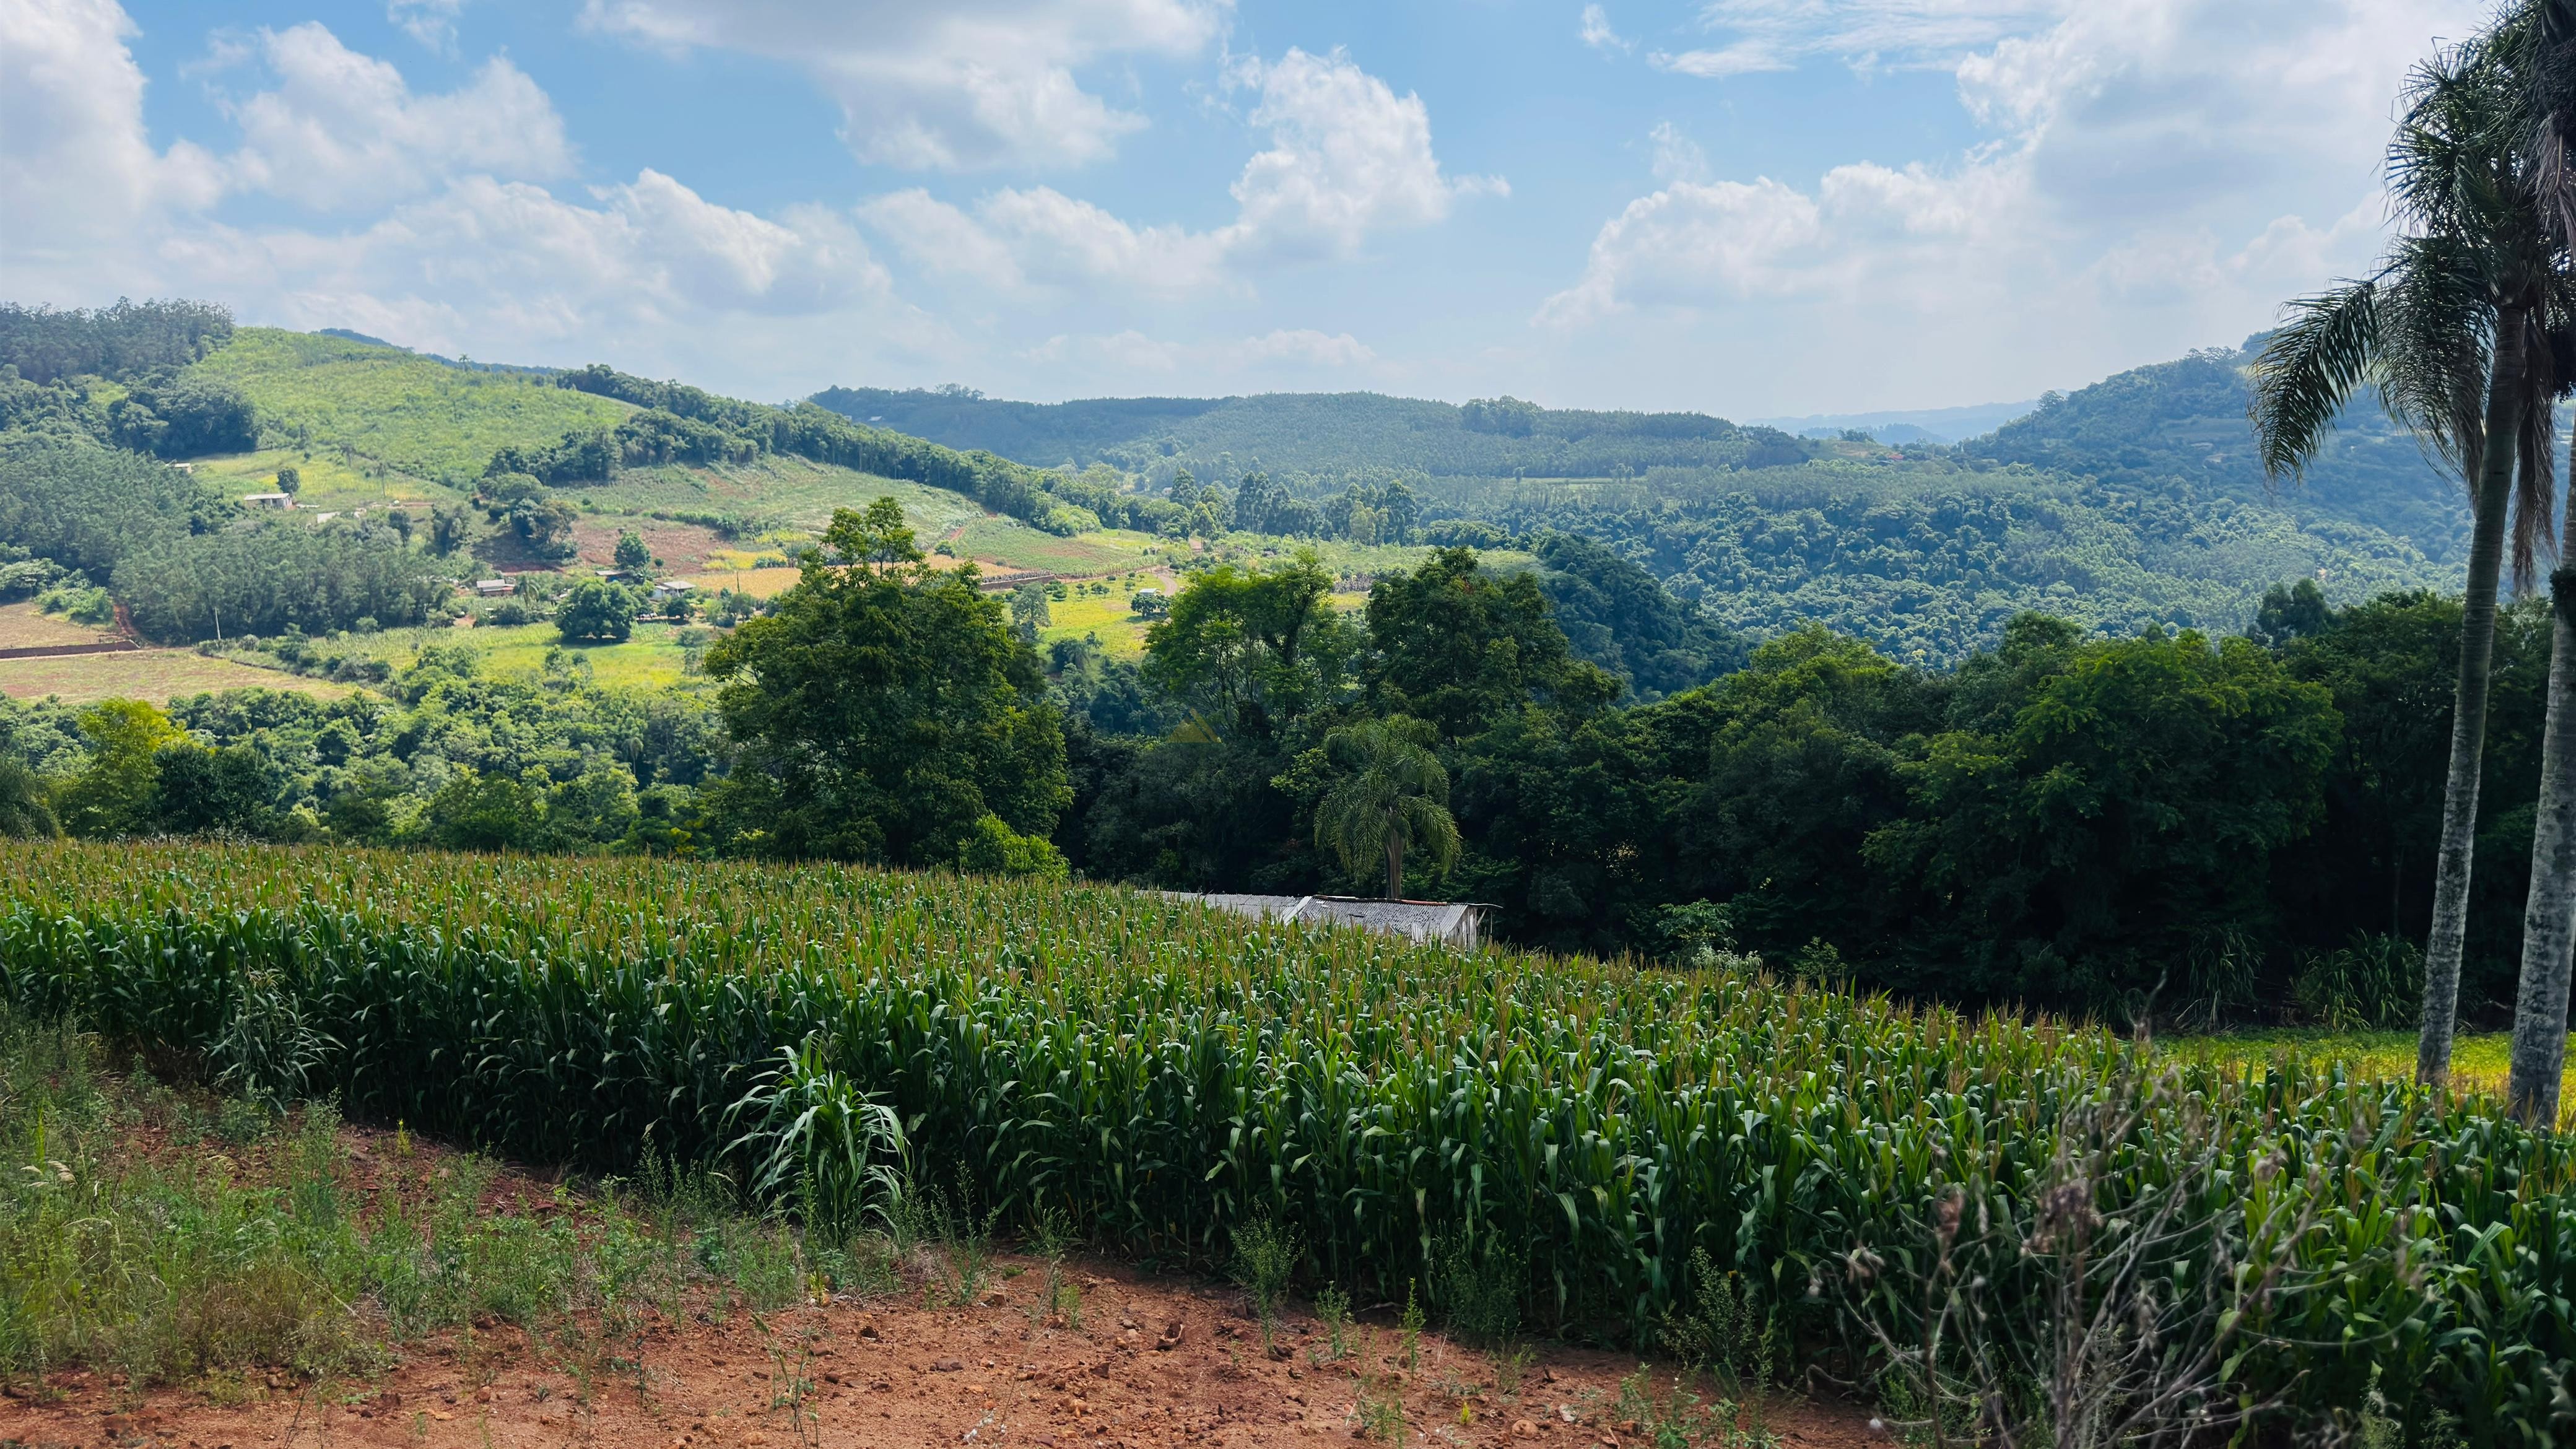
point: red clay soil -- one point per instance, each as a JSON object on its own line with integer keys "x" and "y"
{"x": 1154, "y": 1362}
{"x": 894, "y": 1374}
{"x": 682, "y": 547}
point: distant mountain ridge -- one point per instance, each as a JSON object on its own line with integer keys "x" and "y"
{"x": 1917, "y": 425}
{"x": 1321, "y": 433}
{"x": 2166, "y": 426}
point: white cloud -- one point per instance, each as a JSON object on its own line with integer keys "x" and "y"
{"x": 1742, "y": 58}
{"x": 1760, "y": 35}
{"x": 78, "y": 171}
{"x": 342, "y": 131}
{"x": 1677, "y": 157}
{"x": 1596, "y": 32}
{"x": 431, "y": 22}
{"x": 2157, "y": 175}
{"x": 1308, "y": 346}
{"x": 470, "y": 259}
{"x": 955, "y": 85}
{"x": 1347, "y": 158}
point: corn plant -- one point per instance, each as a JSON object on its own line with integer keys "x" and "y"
{"x": 1165, "y": 1075}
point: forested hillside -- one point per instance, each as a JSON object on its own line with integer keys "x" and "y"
{"x": 2183, "y": 422}
{"x": 1929, "y": 561}
{"x": 2131, "y": 503}
{"x": 1323, "y": 434}
{"x": 2152, "y": 427}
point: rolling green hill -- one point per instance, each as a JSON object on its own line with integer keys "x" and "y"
{"x": 2129, "y": 504}
{"x": 2163, "y": 428}
{"x": 1322, "y": 434}
{"x": 377, "y": 408}
{"x": 2132, "y": 503}
{"x": 2181, "y": 424}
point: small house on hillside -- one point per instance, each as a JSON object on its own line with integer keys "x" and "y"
{"x": 268, "y": 500}
{"x": 1462, "y": 924}
{"x": 493, "y": 588}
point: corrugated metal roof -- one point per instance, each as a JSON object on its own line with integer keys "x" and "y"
{"x": 1458, "y": 923}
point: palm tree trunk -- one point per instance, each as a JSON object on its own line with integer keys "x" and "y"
{"x": 2449, "y": 937}
{"x": 2549, "y": 920}
{"x": 1394, "y": 867}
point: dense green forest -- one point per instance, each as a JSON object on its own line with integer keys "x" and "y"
{"x": 1323, "y": 433}
{"x": 2134, "y": 502}
{"x": 2149, "y": 428}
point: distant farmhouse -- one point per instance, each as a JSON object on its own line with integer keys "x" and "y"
{"x": 1462, "y": 924}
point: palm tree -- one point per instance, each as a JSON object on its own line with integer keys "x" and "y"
{"x": 1393, "y": 795}
{"x": 2545, "y": 47}
{"x": 2453, "y": 331}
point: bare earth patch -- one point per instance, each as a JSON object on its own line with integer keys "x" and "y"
{"x": 1144, "y": 1361}
{"x": 890, "y": 1373}
{"x": 23, "y": 626}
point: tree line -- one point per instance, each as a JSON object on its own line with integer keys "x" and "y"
{"x": 2167, "y": 826}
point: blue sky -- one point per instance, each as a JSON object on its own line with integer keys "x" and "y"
{"x": 1747, "y": 207}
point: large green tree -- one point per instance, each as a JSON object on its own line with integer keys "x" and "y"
{"x": 883, "y": 708}
{"x": 1253, "y": 650}
{"x": 2123, "y": 816}
{"x": 2454, "y": 329}
{"x": 1460, "y": 646}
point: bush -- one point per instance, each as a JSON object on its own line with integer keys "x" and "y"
{"x": 78, "y": 603}
{"x": 595, "y": 611}
{"x": 995, "y": 849}
{"x": 2370, "y": 982}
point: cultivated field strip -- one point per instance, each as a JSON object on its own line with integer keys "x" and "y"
{"x": 1163, "y": 1074}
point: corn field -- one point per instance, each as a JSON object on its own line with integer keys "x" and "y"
{"x": 1163, "y": 1075}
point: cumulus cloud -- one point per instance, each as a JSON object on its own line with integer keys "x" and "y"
{"x": 1347, "y": 158}
{"x": 79, "y": 172}
{"x": 2183, "y": 164}
{"x": 461, "y": 253}
{"x": 957, "y": 85}
{"x": 343, "y": 131}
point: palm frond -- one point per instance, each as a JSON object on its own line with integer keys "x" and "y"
{"x": 2436, "y": 318}
{"x": 2327, "y": 348}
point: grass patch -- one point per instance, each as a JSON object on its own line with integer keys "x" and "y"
{"x": 331, "y": 481}
{"x": 166, "y": 1234}
{"x": 1120, "y": 632}
{"x": 1015, "y": 545}
{"x": 24, "y": 626}
{"x": 652, "y": 659}
{"x": 777, "y": 492}
{"x": 380, "y": 409}
{"x": 153, "y": 674}
{"x": 2479, "y": 1063}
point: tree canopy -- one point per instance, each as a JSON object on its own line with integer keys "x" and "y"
{"x": 882, "y": 709}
